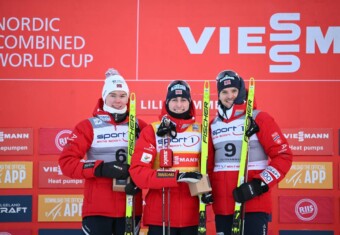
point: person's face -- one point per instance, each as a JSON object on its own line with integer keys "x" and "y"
{"x": 227, "y": 96}
{"x": 178, "y": 105}
{"x": 117, "y": 99}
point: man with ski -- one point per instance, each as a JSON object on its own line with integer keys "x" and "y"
{"x": 248, "y": 155}
{"x": 165, "y": 160}
{"x": 97, "y": 151}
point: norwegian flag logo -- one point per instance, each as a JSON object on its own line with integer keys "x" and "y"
{"x": 276, "y": 138}
{"x": 178, "y": 92}
{"x": 119, "y": 86}
{"x": 227, "y": 82}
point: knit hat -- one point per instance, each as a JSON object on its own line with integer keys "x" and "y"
{"x": 228, "y": 78}
{"x": 114, "y": 82}
{"x": 178, "y": 88}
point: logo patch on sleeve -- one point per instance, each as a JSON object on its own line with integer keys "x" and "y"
{"x": 146, "y": 157}
{"x": 266, "y": 177}
{"x": 276, "y": 138}
{"x": 165, "y": 174}
{"x": 274, "y": 172}
{"x": 88, "y": 165}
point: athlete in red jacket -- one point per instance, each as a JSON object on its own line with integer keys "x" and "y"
{"x": 178, "y": 132}
{"x": 103, "y": 140}
{"x": 269, "y": 159}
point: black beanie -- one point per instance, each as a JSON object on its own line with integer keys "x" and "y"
{"x": 178, "y": 88}
{"x": 228, "y": 78}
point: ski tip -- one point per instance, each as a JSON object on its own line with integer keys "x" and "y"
{"x": 132, "y": 97}
{"x": 206, "y": 84}
{"x": 252, "y": 80}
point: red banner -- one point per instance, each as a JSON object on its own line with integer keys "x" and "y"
{"x": 310, "y": 141}
{"x": 301, "y": 209}
{"x": 50, "y": 176}
{"x": 16, "y": 141}
{"x": 167, "y": 42}
{"x": 52, "y": 140}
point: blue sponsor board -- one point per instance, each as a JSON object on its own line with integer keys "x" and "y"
{"x": 60, "y": 231}
{"x": 305, "y": 232}
{"x": 16, "y": 208}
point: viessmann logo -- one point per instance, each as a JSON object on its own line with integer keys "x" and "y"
{"x": 285, "y": 30}
{"x": 4, "y": 136}
{"x": 310, "y": 141}
{"x": 301, "y": 136}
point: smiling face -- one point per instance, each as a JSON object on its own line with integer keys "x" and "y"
{"x": 117, "y": 99}
{"x": 178, "y": 105}
{"x": 228, "y": 95}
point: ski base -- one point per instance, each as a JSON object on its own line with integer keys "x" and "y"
{"x": 202, "y": 229}
{"x": 128, "y": 226}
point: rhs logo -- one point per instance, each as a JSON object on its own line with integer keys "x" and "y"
{"x": 306, "y": 209}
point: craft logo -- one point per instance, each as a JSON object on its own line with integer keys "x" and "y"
{"x": 54, "y": 208}
{"x": 53, "y": 140}
{"x": 309, "y": 175}
{"x": 16, "y": 141}
{"x": 51, "y": 176}
{"x": 306, "y": 209}
{"x": 311, "y": 141}
{"x": 16, "y": 174}
{"x": 15, "y": 208}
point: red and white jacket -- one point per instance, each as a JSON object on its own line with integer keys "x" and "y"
{"x": 147, "y": 174}
{"x": 100, "y": 139}
{"x": 269, "y": 158}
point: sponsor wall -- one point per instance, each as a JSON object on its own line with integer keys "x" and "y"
{"x": 53, "y": 56}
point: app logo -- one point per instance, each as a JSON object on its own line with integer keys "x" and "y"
{"x": 60, "y": 208}
{"x": 309, "y": 175}
{"x": 16, "y": 174}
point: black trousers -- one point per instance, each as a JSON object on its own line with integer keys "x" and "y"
{"x": 158, "y": 230}
{"x": 255, "y": 223}
{"x": 101, "y": 225}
